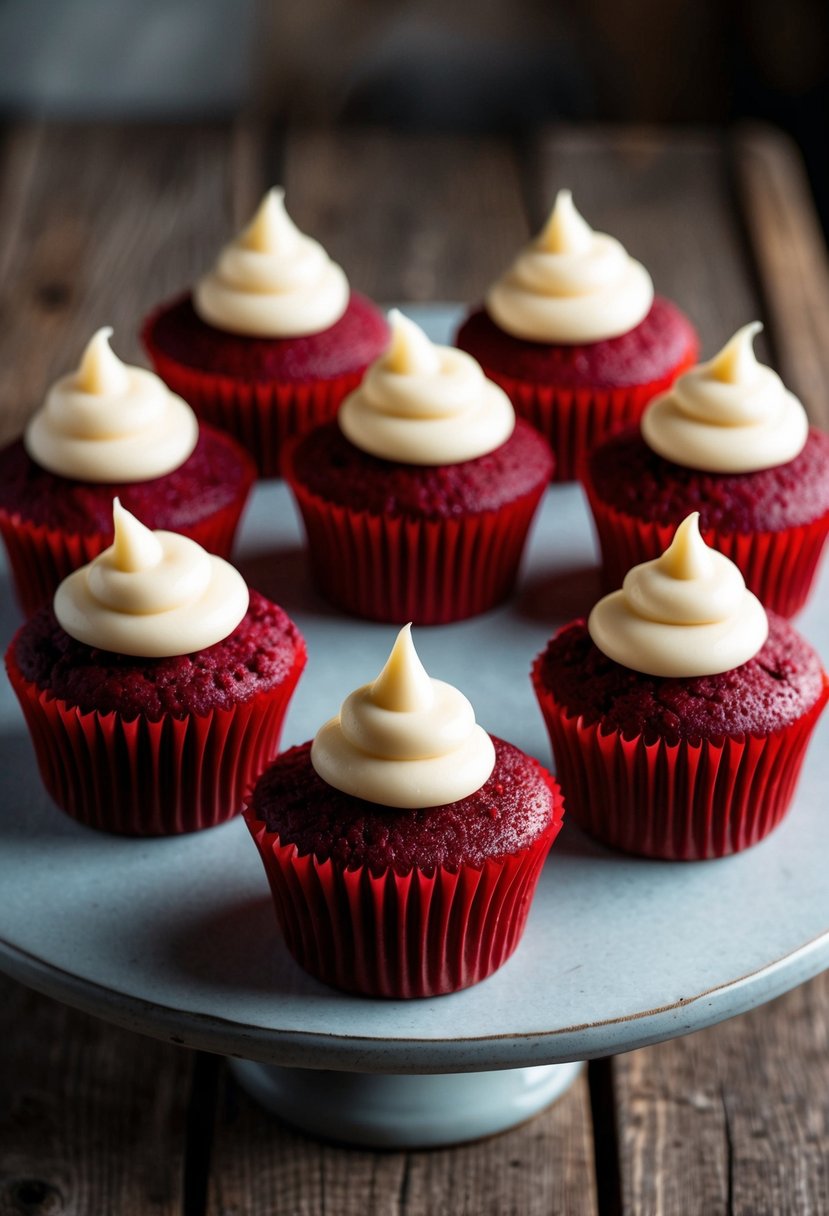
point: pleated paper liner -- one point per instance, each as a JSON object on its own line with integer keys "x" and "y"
{"x": 573, "y": 421}
{"x": 397, "y": 568}
{"x": 40, "y": 557}
{"x": 779, "y": 567}
{"x": 390, "y": 935}
{"x": 686, "y": 801}
{"x": 260, "y": 415}
{"x": 138, "y": 777}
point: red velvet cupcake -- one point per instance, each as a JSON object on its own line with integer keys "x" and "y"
{"x": 680, "y": 714}
{"x": 398, "y": 876}
{"x": 270, "y": 341}
{"x": 111, "y": 430}
{"x": 575, "y": 337}
{"x": 156, "y": 689}
{"x": 418, "y": 498}
{"x": 730, "y": 442}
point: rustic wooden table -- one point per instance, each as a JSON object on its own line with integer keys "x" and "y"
{"x": 96, "y": 225}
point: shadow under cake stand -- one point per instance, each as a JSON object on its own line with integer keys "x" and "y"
{"x": 176, "y": 938}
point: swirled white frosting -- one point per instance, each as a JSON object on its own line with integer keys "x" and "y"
{"x": 571, "y": 284}
{"x": 688, "y": 613}
{"x": 729, "y": 415}
{"x": 272, "y": 281}
{"x": 108, "y": 421}
{"x": 404, "y": 740}
{"x": 425, "y": 404}
{"x": 152, "y": 594}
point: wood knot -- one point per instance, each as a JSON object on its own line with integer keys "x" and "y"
{"x": 33, "y": 1197}
{"x": 53, "y": 296}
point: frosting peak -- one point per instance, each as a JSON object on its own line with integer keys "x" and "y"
{"x": 111, "y": 422}
{"x": 687, "y": 613}
{"x": 152, "y": 594}
{"x": 404, "y": 740}
{"x": 737, "y": 363}
{"x": 272, "y": 281}
{"x": 565, "y": 231}
{"x": 729, "y": 415}
{"x": 425, "y": 404}
{"x": 571, "y": 284}
{"x": 101, "y": 371}
{"x": 134, "y": 547}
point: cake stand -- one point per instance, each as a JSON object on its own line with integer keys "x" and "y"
{"x": 176, "y": 938}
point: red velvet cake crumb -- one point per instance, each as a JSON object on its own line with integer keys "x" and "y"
{"x": 258, "y": 655}
{"x": 350, "y": 344}
{"x": 208, "y": 481}
{"x": 325, "y": 463}
{"x": 513, "y": 808}
{"x": 665, "y": 340}
{"x": 767, "y": 693}
{"x": 626, "y": 474}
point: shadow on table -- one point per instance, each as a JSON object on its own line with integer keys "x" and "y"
{"x": 237, "y": 945}
{"x": 283, "y": 576}
{"x": 559, "y": 595}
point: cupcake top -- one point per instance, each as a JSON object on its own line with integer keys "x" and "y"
{"x": 571, "y": 284}
{"x": 110, "y": 422}
{"x": 404, "y": 740}
{"x": 151, "y": 594}
{"x": 272, "y": 281}
{"x": 687, "y": 613}
{"x": 425, "y": 404}
{"x": 729, "y": 415}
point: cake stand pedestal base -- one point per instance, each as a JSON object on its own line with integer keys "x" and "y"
{"x": 404, "y": 1111}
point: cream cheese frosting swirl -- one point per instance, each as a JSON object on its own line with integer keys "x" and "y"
{"x": 425, "y": 404}
{"x": 571, "y": 284}
{"x": 108, "y": 421}
{"x": 729, "y": 415}
{"x": 688, "y": 613}
{"x": 405, "y": 740}
{"x": 272, "y": 281}
{"x": 152, "y": 594}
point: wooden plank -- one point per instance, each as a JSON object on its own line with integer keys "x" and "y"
{"x": 667, "y": 197}
{"x": 92, "y": 1119}
{"x": 410, "y": 217}
{"x": 260, "y": 1165}
{"x": 94, "y": 234}
{"x": 790, "y": 254}
{"x": 733, "y": 1119}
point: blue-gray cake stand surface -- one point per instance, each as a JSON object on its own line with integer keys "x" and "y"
{"x": 177, "y": 938}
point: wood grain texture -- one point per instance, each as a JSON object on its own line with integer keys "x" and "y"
{"x": 92, "y": 1119}
{"x": 409, "y": 217}
{"x": 544, "y": 1168}
{"x": 100, "y": 224}
{"x": 734, "y": 1119}
{"x": 791, "y": 258}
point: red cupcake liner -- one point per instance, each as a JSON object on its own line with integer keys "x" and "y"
{"x": 401, "y": 935}
{"x": 398, "y": 568}
{"x": 575, "y": 420}
{"x": 40, "y": 557}
{"x": 686, "y": 801}
{"x": 138, "y": 777}
{"x": 260, "y": 415}
{"x": 779, "y": 567}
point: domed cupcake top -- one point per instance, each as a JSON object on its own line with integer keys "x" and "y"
{"x": 688, "y": 613}
{"x": 729, "y": 415}
{"x": 108, "y": 421}
{"x": 272, "y": 281}
{"x": 425, "y": 404}
{"x": 152, "y": 594}
{"x": 571, "y": 284}
{"x": 405, "y": 740}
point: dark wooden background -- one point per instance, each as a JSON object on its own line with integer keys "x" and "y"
{"x": 99, "y": 223}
